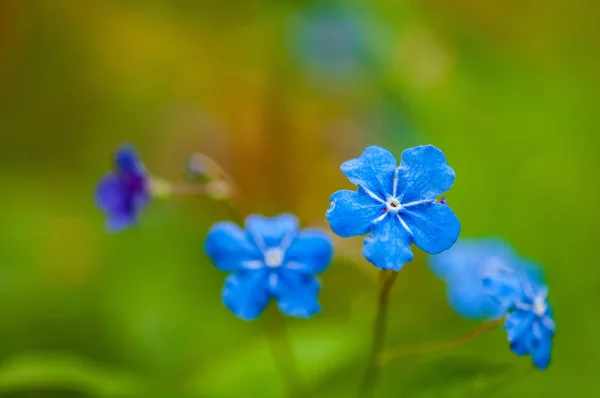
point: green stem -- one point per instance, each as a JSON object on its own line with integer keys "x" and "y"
{"x": 162, "y": 188}
{"x": 233, "y": 211}
{"x": 187, "y": 190}
{"x": 429, "y": 348}
{"x": 372, "y": 372}
{"x": 283, "y": 354}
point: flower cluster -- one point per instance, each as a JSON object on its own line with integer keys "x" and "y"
{"x": 394, "y": 205}
{"x": 486, "y": 278}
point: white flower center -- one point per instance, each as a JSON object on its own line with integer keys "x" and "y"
{"x": 539, "y": 306}
{"x": 393, "y": 205}
{"x": 274, "y": 257}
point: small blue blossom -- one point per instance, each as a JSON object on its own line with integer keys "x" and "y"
{"x": 124, "y": 192}
{"x": 270, "y": 259}
{"x": 530, "y": 324}
{"x": 329, "y": 42}
{"x": 396, "y": 205}
{"x": 464, "y": 267}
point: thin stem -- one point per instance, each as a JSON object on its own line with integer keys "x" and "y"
{"x": 372, "y": 372}
{"x": 209, "y": 170}
{"x": 283, "y": 354}
{"x": 428, "y": 348}
{"x": 204, "y": 190}
{"x": 234, "y": 212}
{"x": 187, "y": 190}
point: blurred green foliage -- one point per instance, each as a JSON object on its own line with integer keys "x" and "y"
{"x": 508, "y": 89}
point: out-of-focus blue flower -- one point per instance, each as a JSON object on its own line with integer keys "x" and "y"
{"x": 271, "y": 258}
{"x": 464, "y": 267}
{"x": 530, "y": 324}
{"x": 329, "y": 42}
{"x": 396, "y": 205}
{"x": 124, "y": 192}
{"x": 486, "y": 279}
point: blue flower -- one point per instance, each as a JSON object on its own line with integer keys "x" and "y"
{"x": 530, "y": 324}
{"x": 464, "y": 268}
{"x": 271, "y": 258}
{"x": 329, "y": 42}
{"x": 395, "y": 205}
{"x": 124, "y": 192}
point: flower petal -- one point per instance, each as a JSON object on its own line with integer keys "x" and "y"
{"x": 119, "y": 221}
{"x": 351, "y": 213}
{"x": 470, "y": 299}
{"x": 479, "y": 257}
{"x": 228, "y": 247}
{"x": 542, "y": 353}
{"x": 503, "y": 286}
{"x": 424, "y": 174}
{"x": 296, "y": 294}
{"x": 547, "y": 323}
{"x": 310, "y": 252}
{"x": 373, "y": 170}
{"x": 522, "y": 346}
{"x": 128, "y": 162}
{"x": 518, "y": 325}
{"x": 268, "y": 232}
{"x": 531, "y": 278}
{"x": 246, "y": 293}
{"x": 110, "y": 194}
{"x": 434, "y": 226}
{"x": 464, "y": 268}
{"x": 388, "y": 246}
{"x": 523, "y": 342}
{"x": 111, "y": 198}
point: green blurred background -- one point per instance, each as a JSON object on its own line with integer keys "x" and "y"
{"x": 280, "y": 93}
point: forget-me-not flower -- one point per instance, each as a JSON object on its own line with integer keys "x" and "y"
{"x": 464, "y": 267}
{"x": 124, "y": 192}
{"x": 396, "y": 205}
{"x": 329, "y": 42}
{"x": 530, "y": 324}
{"x": 270, "y": 259}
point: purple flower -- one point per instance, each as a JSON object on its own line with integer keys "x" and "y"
{"x": 124, "y": 192}
{"x": 270, "y": 259}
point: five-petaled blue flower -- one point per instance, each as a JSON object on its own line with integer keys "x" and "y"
{"x": 530, "y": 322}
{"x": 396, "y": 205}
{"x": 464, "y": 267}
{"x": 271, "y": 258}
{"x": 124, "y": 192}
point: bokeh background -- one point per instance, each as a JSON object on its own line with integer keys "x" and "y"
{"x": 280, "y": 93}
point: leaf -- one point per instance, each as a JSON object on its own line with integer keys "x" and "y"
{"x": 63, "y": 372}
